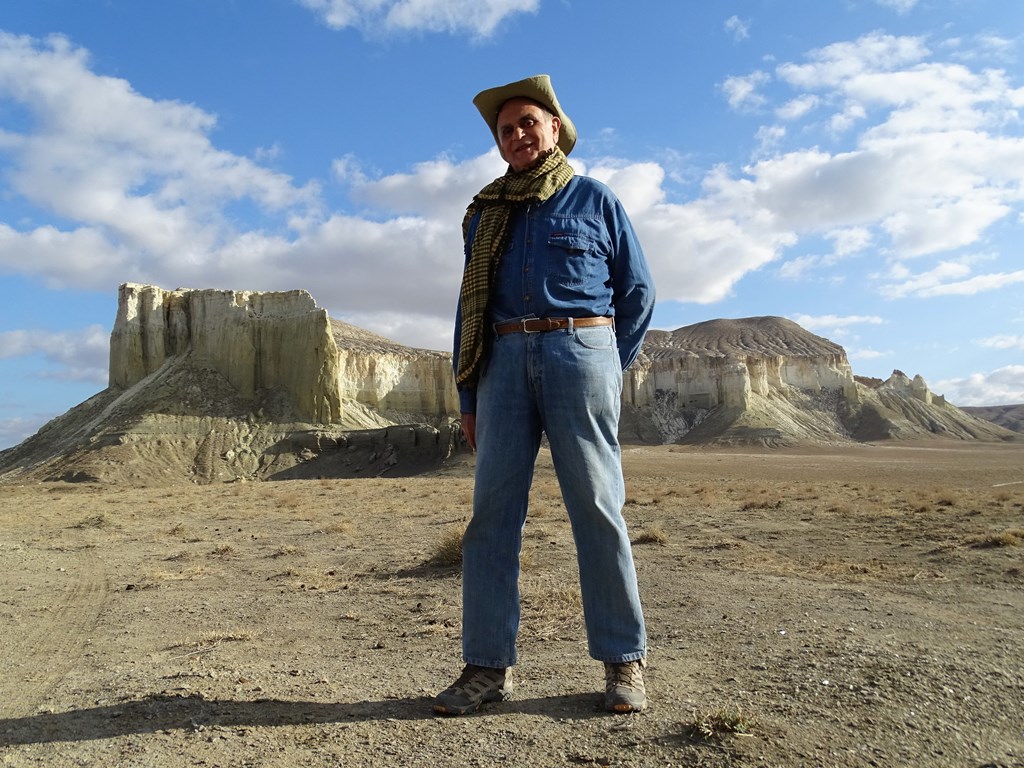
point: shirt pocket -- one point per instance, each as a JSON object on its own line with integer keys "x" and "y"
{"x": 576, "y": 259}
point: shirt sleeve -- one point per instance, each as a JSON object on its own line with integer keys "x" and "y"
{"x": 632, "y": 287}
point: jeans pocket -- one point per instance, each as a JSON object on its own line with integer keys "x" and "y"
{"x": 597, "y": 337}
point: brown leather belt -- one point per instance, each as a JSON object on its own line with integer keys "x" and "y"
{"x": 542, "y": 324}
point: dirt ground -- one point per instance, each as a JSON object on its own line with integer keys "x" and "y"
{"x": 831, "y": 607}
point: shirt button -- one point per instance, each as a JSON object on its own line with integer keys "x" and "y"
{"x": 526, "y": 297}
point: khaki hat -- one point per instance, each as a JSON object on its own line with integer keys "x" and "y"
{"x": 538, "y": 88}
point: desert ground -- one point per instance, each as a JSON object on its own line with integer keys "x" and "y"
{"x": 847, "y": 606}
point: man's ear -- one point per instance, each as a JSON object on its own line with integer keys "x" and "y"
{"x": 556, "y": 126}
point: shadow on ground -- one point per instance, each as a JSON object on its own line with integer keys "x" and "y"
{"x": 163, "y": 712}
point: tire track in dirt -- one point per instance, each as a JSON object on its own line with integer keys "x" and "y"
{"x": 47, "y": 623}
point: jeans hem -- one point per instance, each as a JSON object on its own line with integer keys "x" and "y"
{"x": 489, "y": 663}
{"x": 622, "y": 658}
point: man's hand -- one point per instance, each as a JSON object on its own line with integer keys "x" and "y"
{"x": 469, "y": 429}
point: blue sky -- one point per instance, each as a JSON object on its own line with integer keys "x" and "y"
{"x": 856, "y": 166}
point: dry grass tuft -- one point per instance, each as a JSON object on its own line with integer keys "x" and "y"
{"x": 653, "y": 534}
{"x": 551, "y": 611}
{"x": 338, "y": 526}
{"x": 714, "y": 725}
{"x": 448, "y": 548}
{"x": 92, "y": 521}
{"x": 289, "y": 500}
{"x": 1012, "y": 537}
{"x": 761, "y": 504}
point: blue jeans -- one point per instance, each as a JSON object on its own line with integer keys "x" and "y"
{"x": 567, "y": 385}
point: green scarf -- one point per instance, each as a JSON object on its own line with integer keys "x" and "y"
{"x": 496, "y": 203}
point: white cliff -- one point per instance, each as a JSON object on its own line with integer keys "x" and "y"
{"x": 258, "y": 341}
{"x": 215, "y": 385}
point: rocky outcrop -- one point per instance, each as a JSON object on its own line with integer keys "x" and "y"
{"x": 391, "y": 383}
{"x": 258, "y": 341}
{"x": 222, "y": 385}
{"x": 214, "y": 385}
{"x": 1007, "y": 416}
{"x": 766, "y": 380}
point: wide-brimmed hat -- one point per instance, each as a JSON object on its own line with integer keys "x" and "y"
{"x": 538, "y": 88}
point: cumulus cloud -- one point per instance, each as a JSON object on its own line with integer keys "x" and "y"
{"x": 76, "y": 355}
{"x": 742, "y": 91}
{"x": 145, "y": 195}
{"x": 140, "y": 178}
{"x": 1004, "y": 342}
{"x": 900, "y": 6}
{"x": 19, "y": 428}
{"x": 479, "y": 18}
{"x": 1003, "y": 386}
{"x": 738, "y": 28}
{"x": 827, "y": 322}
{"x": 947, "y": 279}
{"x": 934, "y": 167}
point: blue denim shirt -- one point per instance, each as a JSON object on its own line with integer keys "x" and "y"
{"x": 574, "y": 255}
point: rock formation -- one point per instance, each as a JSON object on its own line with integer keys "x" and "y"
{"x": 766, "y": 380}
{"x": 221, "y": 385}
{"x": 1008, "y": 416}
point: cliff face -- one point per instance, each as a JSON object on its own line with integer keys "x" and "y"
{"x": 259, "y": 342}
{"x": 706, "y": 372}
{"x": 766, "y": 380}
{"x": 392, "y": 381}
{"x": 215, "y": 385}
{"x": 218, "y": 385}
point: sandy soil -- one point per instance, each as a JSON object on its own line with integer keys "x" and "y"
{"x": 848, "y": 607}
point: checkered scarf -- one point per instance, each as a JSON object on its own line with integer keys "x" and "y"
{"x": 496, "y": 203}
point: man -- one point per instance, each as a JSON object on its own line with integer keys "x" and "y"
{"x": 556, "y": 298}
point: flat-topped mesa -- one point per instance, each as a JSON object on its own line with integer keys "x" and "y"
{"x": 258, "y": 341}
{"x": 725, "y": 362}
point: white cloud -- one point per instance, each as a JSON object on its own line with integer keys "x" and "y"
{"x": 900, "y": 6}
{"x": 17, "y": 429}
{"x": 478, "y": 17}
{"x": 742, "y": 91}
{"x": 934, "y": 167}
{"x": 139, "y": 177}
{"x": 146, "y": 194}
{"x": 78, "y": 355}
{"x": 948, "y": 279}
{"x": 849, "y": 241}
{"x": 1004, "y": 342}
{"x": 796, "y": 108}
{"x": 832, "y": 322}
{"x": 737, "y": 27}
{"x": 799, "y": 267}
{"x": 842, "y": 65}
{"x": 1003, "y": 386}
{"x": 865, "y": 354}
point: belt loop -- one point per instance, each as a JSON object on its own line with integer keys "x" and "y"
{"x": 569, "y": 327}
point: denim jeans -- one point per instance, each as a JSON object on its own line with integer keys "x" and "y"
{"x": 566, "y": 384}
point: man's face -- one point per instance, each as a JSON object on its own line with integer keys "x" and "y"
{"x": 525, "y": 132}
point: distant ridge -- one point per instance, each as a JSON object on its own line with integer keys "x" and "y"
{"x": 212, "y": 385}
{"x": 1008, "y": 416}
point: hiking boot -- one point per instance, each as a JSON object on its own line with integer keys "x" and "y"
{"x": 474, "y": 686}
{"x": 624, "y": 690}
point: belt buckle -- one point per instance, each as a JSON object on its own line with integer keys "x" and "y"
{"x": 524, "y": 321}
